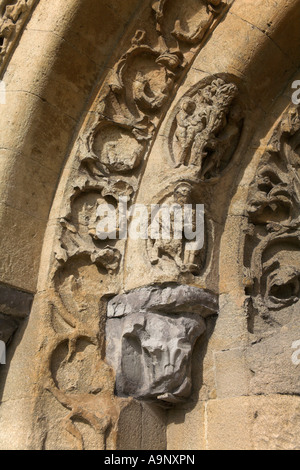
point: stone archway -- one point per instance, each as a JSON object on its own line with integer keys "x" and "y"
{"x": 121, "y": 129}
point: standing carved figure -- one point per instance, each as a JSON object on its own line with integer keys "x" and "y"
{"x": 175, "y": 246}
{"x": 186, "y": 129}
{"x": 206, "y": 127}
{"x": 222, "y": 96}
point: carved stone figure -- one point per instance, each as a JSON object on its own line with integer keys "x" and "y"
{"x": 188, "y": 126}
{"x": 175, "y": 245}
{"x": 208, "y": 126}
{"x": 151, "y": 333}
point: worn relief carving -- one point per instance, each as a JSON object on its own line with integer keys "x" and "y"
{"x": 180, "y": 23}
{"x": 13, "y": 15}
{"x": 273, "y": 269}
{"x": 272, "y": 262}
{"x": 141, "y": 85}
{"x": 207, "y": 128}
{"x": 79, "y": 234}
{"x": 152, "y": 333}
{"x": 204, "y": 132}
{"x": 157, "y": 334}
{"x": 175, "y": 248}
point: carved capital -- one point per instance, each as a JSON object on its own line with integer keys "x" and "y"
{"x": 151, "y": 333}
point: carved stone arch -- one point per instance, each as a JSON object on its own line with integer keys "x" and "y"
{"x": 98, "y": 303}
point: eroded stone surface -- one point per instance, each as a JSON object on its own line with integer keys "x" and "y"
{"x": 14, "y": 302}
{"x": 13, "y": 16}
{"x": 150, "y": 335}
{"x": 177, "y": 115}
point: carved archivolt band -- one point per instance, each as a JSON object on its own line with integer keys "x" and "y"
{"x": 273, "y": 239}
{"x": 110, "y": 157}
{"x": 13, "y": 16}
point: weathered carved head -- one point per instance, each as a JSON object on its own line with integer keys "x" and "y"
{"x": 182, "y": 193}
{"x": 151, "y": 333}
{"x": 188, "y": 105}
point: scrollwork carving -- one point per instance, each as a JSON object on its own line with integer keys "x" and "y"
{"x": 78, "y": 226}
{"x": 168, "y": 22}
{"x": 13, "y": 15}
{"x": 108, "y": 164}
{"x": 80, "y": 390}
{"x": 141, "y": 84}
{"x": 274, "y": 230}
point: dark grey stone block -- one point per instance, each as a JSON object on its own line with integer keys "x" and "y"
{"x": 151, "y": 333}
{"x": 15, "y": 302}
{"x": 15, "y": 305}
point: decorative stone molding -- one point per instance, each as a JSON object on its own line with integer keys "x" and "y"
{"x": 273, "y": 269}
{"x": 109, "y": 159}
{"x": 13, "y": 16}
{"x": 200, "y": 155}
{"x": 108, "y": 162}
{"x": 134, "y": 101}
{"x": 150, "y": 334}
